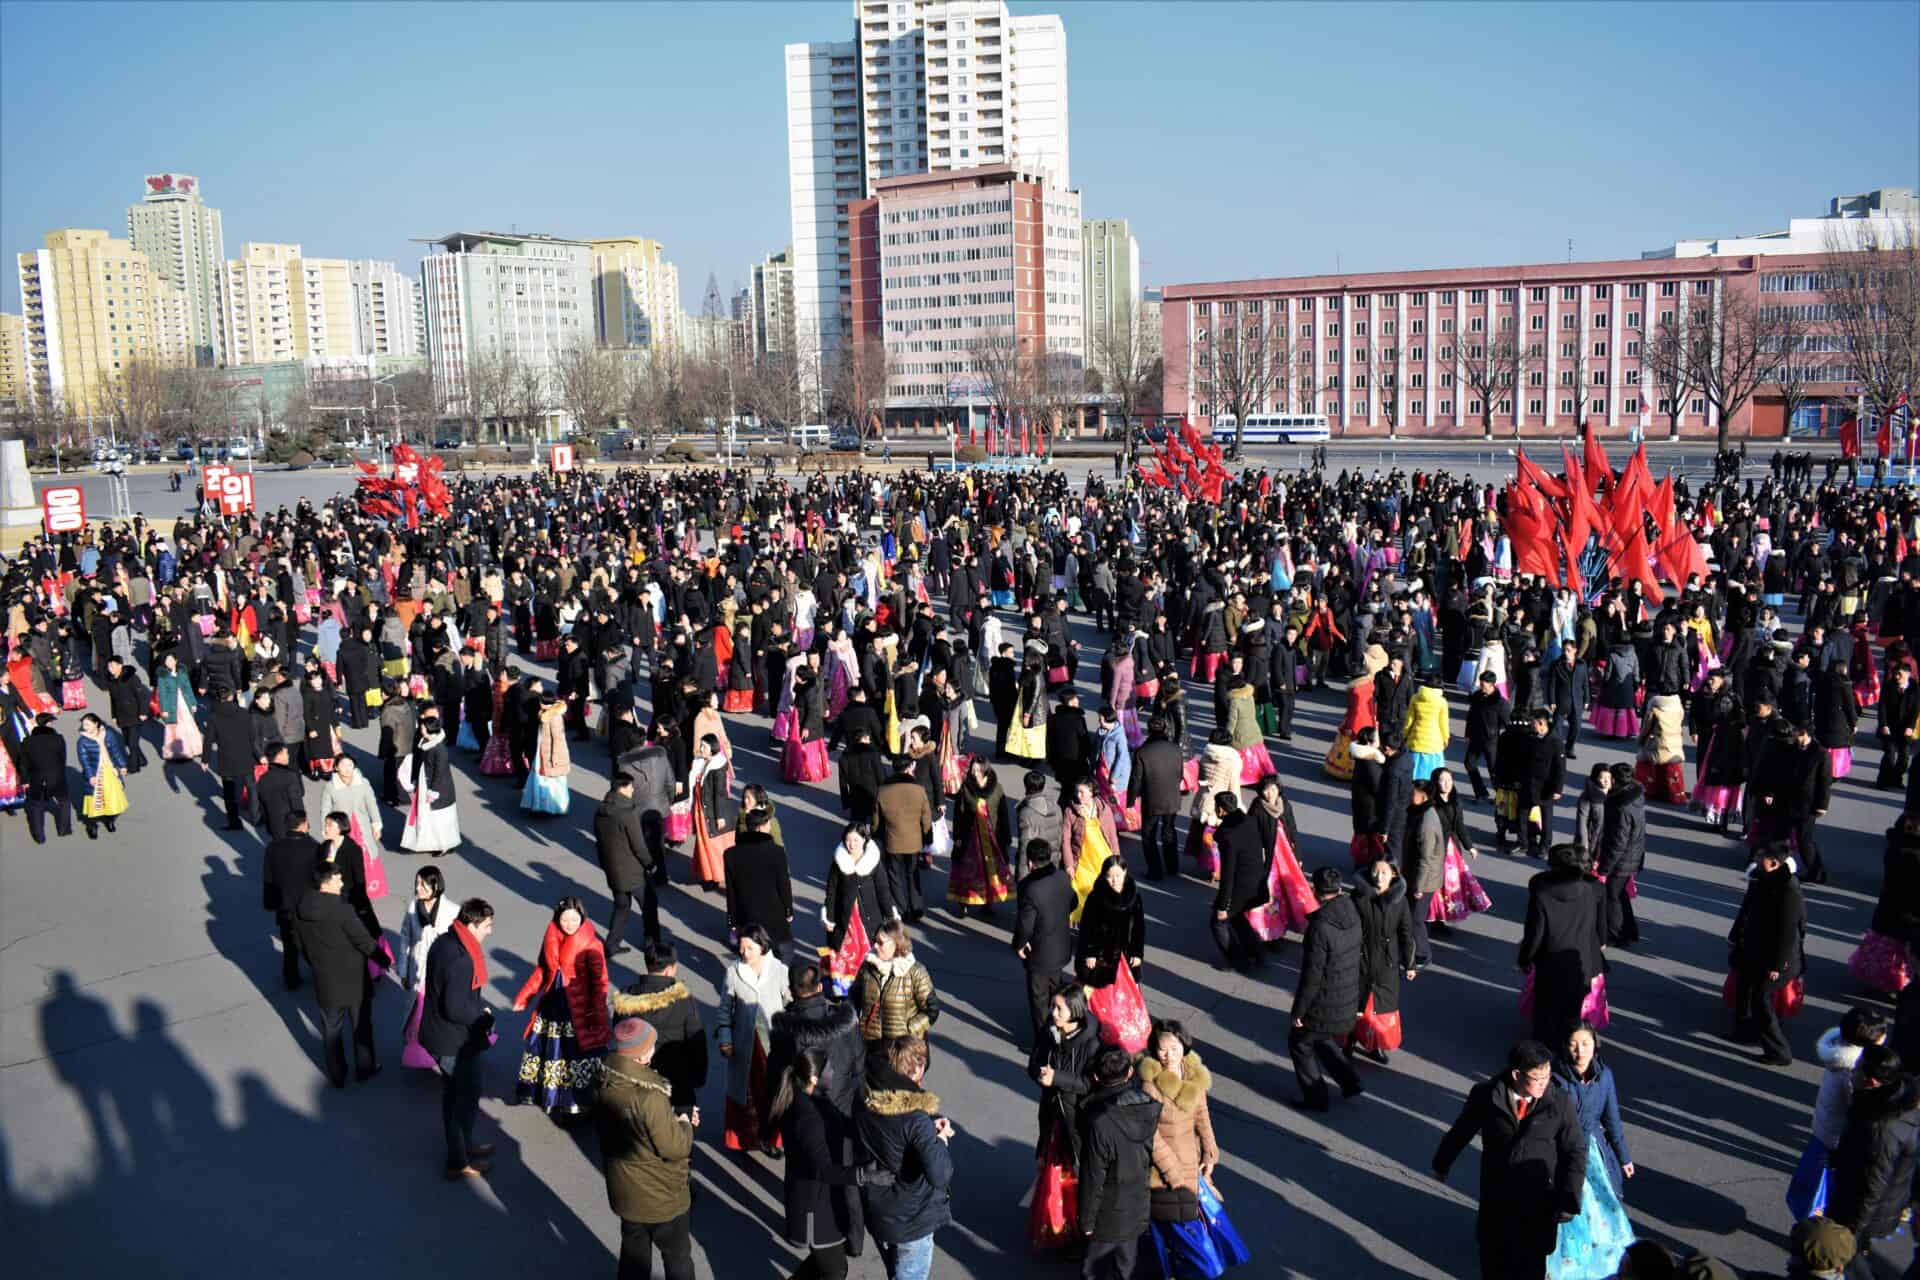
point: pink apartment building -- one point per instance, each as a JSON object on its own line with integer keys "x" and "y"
{"x": 941, "y": 261}
{"x": 1584, "y": 324}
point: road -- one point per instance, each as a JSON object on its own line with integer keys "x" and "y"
{"x": 162, "y": 1103}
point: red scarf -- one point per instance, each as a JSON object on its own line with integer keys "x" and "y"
{"x": 472, "y": 944}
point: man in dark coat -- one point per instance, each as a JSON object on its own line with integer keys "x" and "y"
{"x": 628, "y": 863}
{"x": 1003, "y": 694}
{"x": 1117, "y": 1123}
{"x": 1533, "y": 1163}
{"x": 664, "y": 1001}
{"x": 338, "y": 947}
{"x": 1392, "y": 692}
{"x": 858, "y": 714}
{"x": 1329, "y": 994}
{"x": 1042, "y": 935}
{"x": 283, "y": 797}
{"x": 1541, "y": 773}
{"x": 290, "y": 861}
{"x": 1622, "y": 853}
{"x": 43, "y": 773}
{"x": 1767, "y": 950}
{"x": 863, "y": 771}
{"x": 1486, "y": 715}
{"x": 1069, "y": 745}
{"x": 455, "y": 1023}
{"x": 1565, "y": 929}
{"x": 653, "y": 786}
{"x": 232, "y": 734}
{"x": 1794, "y": 783}
{"x": 1396, "y": 797}
{"x": 1872, "y": 1176}
{"x": 1155, "y": 784}
{"x": 221, "y": 669}
{"x": 811, "y": 1021}
{"x": 899, "y": 1125}
{"x": 1245, "y": 861}
{"x": 358, "y": 666}
{"x": 1567, "y": 697}
{"x": 127, "y": 697}
{"x": 759, "y": 885}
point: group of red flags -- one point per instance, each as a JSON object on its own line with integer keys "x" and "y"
{"x": 1549, "y": 520}
{"x": 1187, "y": 464}
{"x": 415, "y": 484}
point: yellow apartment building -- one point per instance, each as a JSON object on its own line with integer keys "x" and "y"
{"x": 92, "y": 305}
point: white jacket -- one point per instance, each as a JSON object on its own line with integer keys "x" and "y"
{"x": 1836, "y": 1088}
{"x": 415, "y": 937}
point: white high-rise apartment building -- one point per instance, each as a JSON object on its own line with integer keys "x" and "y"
{"x": 924, "y": 86}
{"x": 489, "y": 295}
{"x": 1111, "y": 272}
{"x": 180, "y": 235}
{"x": 770, "y": 303}
{"x": 386, "y": 309}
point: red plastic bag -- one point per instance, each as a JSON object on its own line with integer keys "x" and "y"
{"x": 1190, "y": 776}
{"x": 1122, "y": 1011}
{"x": 1787, "y": 1001}
{"x": 680, "y": 820}
{"x": 73, "y": 695}
{"x": 1053, "y": 1220}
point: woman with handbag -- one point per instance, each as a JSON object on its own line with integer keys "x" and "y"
{"x": 1061, "y": 1064}
{"x": 1189, "y": 1228}
{"x": 1112, "y": 945}
{"x": 320, "y": 720}
{"x": 894, "y": 992}
{"x": 567, "y": 1035}
{"x": 1386, "y": 956}
{"x": 1767, "y": 950}
{"x": 546, "y": 790}
{"x": 431, "y": 914}
{"x": 102, "y": 756}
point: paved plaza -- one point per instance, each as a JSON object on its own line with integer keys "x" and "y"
{"x": 163, "y": 1106}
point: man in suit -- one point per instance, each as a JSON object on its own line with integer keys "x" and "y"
{"x": 905, "y": 825}
{"x": 1042, "y": 937}
{"x": 338, "y": 947}
{"x": 620, "y": 840}
{"x": 232, "y": 734}
{"x": 1069, "y": 745}
{"x": 1533, "y": 1162}
{"x": 1155, "y": 783}
{"x": 290, "y": 860}
{"x": 44, "y": 774}
{"x": 456, "y": 1027}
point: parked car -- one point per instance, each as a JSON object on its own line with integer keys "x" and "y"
{"x": 183, "y": 452}
{"x": 239, "y": 447}
{"x": 448, "y": 440}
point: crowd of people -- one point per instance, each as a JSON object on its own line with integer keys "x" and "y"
{"x": 1012, "y": 679}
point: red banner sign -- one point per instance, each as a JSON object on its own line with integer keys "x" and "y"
{"x": 63, "y": 509}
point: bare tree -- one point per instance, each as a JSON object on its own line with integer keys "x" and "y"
{"x": 492, "y": 377}
{"x": 1872, "y": 291}
{"x": 1488, "y": 365}
{"x": 858, "y": 381}
{"x": 589, "y": 383}
{"x": 1800, "y": 361}
{"x": 1733, "y": 346}
{"x": 413, "y": 405}
{"x": 1668, "y": 354}
{"x": 145, "y": 387}
{"x": 532, "y": 398}
{"x": 1123, "y": 360}
{"x": 1378, "y": 363}
{"x": 1003, "y": 363}
{"x": 1574, "y": 372}
{"x": 1059, "y": 391}
{"x": 1242, "y": 366}
{"x": 779, "y": 388}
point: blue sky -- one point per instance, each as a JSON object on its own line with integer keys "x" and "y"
{"x": 1241, "y": 139}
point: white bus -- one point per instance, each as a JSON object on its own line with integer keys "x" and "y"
{"x": 1274, "y": 428}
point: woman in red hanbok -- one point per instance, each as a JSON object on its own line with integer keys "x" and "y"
{"x": 857, "y": 903}
{"x": 980, "y": 874}
{"x": 1360, "y": 714}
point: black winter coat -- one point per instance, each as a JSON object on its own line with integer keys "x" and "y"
{"x": 812, "y": 1022}
{"x": 1331, "y": 970}
{"x": 1047, "y": 900}
{"x": 1113, "y": 928}
{"x": 1565, "y": 928}
{"x": 290, "y": 861}
{"x": 1155, "y": 780}
{"x": 1770, "y": 930}
{"x": 231, "y": 729}
{"x": 1386, "y": 926}
{"x": 1245, "y": 862}
{"x": 621, "y": 843}
{"x": 1623, "y": 838}
{"x": 1897, "y": 914}
{"x": 337, "y": 946}
{"x": 1531, "y": 1170}
{"x": 283, "y": 799}
{"x": 1873, "y": 1167}
{"x": 862, "y": 773}
{"x": 681, "y": 1052}
{"x": 856, "y": 882}
{"x": 759, "y": 887}
{"x": 455, "y": 1016}
{"x": 1117, "y": 1126}
{"x": 817, "y": 1185}
{"x": 1072, "y": 1063}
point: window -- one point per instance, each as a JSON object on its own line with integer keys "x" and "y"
{"x": 1536, "y": 407}
{"x": 1536, "y": 322}
{"x": 1630, "y": 405}
{"x": 1447, "y": 297}
{"x": 1477, "y": 324}
{"x": 1666, "y": 317}
{"x": 1566, "y": 404}
{"x": 1360, "y": 300}
{"x": 1417, "y": 353}
{"x": 1360, "y": 329}
{"x": 1390, "y": 328}
{"x": 1506, "y": 324}
{"x": 1306, "y": 331}
{"x": 1416, "y": 326}
{"x": 1360, "y": 408}
{"x": 1569, "y": 293}
{"x": 1631, "y": 377}
{"x": 1669, "y": 289}
{"x": 1568, "y": 320}
{"x": 1701, "y": 288}
{"x": 1566, "y": 377}
{"x": 1227, "y": 308}
{"x": 1417, "y": 380}
{"x": 1446, "y": 324}
{"x": 1477, "y": 297}
{"x": 1633, "y": 319}
{"x": 1636, "y": 291}
{"x": 1389, "y": 299}
{"x": 1537, "y": 294}
{"x": 1599, "y": 378}
{"x": 1473, "y": 406}
{"x": 1446, "y": 379}
{"x": 1597, "y": 406}
{"x": 1305, "y": 304}
{"x": 1536, "y": 378}
{"x": 1600, "y": 319}
{"x": 1253, "y": 304}
{"x": 1446, "y": 407}
{"x": 1601, "y": 292}
{"x": 1568, "y": 350}
{"x": 1417, "y": 300}
{"x": 1203, "y": 308}
{"x": 1416, "y": 406}
{"x": 1506, "y": 406}
{"x": 1699, "y": 406}
{"x": 1509, "y": 295}
{"x": 1333, "y": 330}
{"x": 1333, "y": 302}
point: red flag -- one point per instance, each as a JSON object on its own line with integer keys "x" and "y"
{"x": 1574, "y": 582}
{"x": 1680, "y": 556}
{"x": 1599, "y": 472}
{"x": 1883, "y": 438}
{"x": 1661, "y": 504}
{"x": 1850, "y": 437}
{"x": 1576, "y": 479}
{"x": 1530, "y": 472}
{"x": 1633, "y": 563}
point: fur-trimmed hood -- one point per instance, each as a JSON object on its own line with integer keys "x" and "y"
{"x": 868, "y": 860}
{"x": 626, "y": 1005}
{"x": 1835, "y": 1053}
{"x": 1195, "y": 1080}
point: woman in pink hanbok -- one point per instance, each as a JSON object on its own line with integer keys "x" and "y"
{"x": 1460, "y": 894}
{"x": 1290, "y": 896}
{"x": 842, "y": 667}
{"x": 1116, "y": 687}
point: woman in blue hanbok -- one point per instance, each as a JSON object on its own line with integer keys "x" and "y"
{"x": 1591, "y": 1245}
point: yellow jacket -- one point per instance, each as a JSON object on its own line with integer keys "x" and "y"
{"x": 1426, "y": 728}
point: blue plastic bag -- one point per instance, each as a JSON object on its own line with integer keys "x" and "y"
{"x": 1807, "y": 1192}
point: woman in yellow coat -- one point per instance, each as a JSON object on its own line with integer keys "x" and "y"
{"x": 1427, "y": 729}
